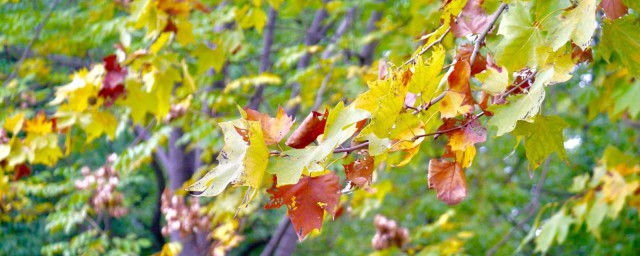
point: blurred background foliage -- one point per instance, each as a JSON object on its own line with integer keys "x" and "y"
{"x": 45, "y": 212}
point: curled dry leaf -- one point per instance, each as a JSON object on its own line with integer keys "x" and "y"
{"x": 273, "y": 128}
{"x": 309, "y": 130}
{"x": 448, "y": 179}
{"x": 306, "y": 201}
{"x": 360, "y": 172}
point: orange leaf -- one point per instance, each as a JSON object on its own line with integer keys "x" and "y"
{"x": 309, "y": 130}
{"x": 306, "y": 201}
{"x": 464, "y": 53}
{"x": 448, "y": 179}
{"x": 360, "y": 171}
{"x": 273, "y": 129}
{"x": 471, "y": 134}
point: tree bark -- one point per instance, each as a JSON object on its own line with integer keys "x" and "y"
{"x": 367, "y": 52}
{"x": 314, "y": 35}
{"x": 265, "y": 59}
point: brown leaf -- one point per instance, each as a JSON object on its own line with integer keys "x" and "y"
{"x": 449, "y": 181}
{"x": 480, "y": 63}
{"x": 306, "y": 201}
{"x": 472, "y": 20}
{"x": 360, "y": 172}
{"x": 309, "y": 130}
{"x": 614, "y": 9}
{"x": 273, "y": 128}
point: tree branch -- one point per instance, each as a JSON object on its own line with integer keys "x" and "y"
{"x": 483, "y": 35}
{"x": 265, "y": 61}
{"x": 38, "y": 30}
{"x": 532, "y": 208}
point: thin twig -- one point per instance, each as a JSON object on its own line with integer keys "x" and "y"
{"x": 26, "y": 51}
{"x": 413, "y": 59}
{"x": 532, "y": 208}
{"x": 476, "y": 46}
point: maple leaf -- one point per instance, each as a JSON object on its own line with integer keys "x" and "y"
{"x": 310, "y": 128}
{"x": 113, "y": 83}
{"x": 38, "y": 125}
{"x": 425, "y": 78}
{"x": 307, "y": 201}
{"x": 273, "y": 129}
{"x": 241, "y": 163}
{"x": 472, "y": 20}
{"x": 494, "y": 80}
{"x": 554, "y": 229}
{"x": 453, "y": 104}
{"x": 520, "y": 107}
{"x": 448, "y": 179}
{"x": 479, "y": 64}
{"x": 472, "y": 133}
{"x": 577, "y": 23}
{"x": 542, "y": 138}
{"x": 614, "y": 9}
{"x": 523, "y": 42}
{"x": 384, "y": 100}
{"x": 621, "y": 37}
{"x": 360, "y": 171}
{"x": 459, "y": 81}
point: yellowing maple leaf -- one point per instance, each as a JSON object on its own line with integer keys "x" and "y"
{"x": 452, "y": 105}
{"x": 240, "y": 162}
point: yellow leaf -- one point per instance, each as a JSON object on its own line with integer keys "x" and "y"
{"x": 14, "y": 123}
{"x": 451, "y": 105}
{"x": 97, "y": 123}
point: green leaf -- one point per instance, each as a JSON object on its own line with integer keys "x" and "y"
{"x": 241, "y": 162}
{"x": 494, "y": 81}
{"x": 596, "y": 215}
{"x": 523, "y": 42}
{"x": 622, "y": 37}
{"x": 520, "y": 107}
{"x": 542, "y": 138}
{"x": 555, "y": 229}
{"x": 626, "y": 97}
{"x": 577, "y": 23}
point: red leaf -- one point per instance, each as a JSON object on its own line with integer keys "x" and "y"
{"x": 472, "y": 20}
{"x": 449, "y": 181}
{"x": 309, "y": 130}
{"x": 360, "y": 172}
{"x": 614, "y": 9}
{"x": 21, "y": 170}
{"x": 306, "y": 201}
{"x": 519, "y": 79}
{"x": 113, "y": 83}
{"x": 274, "y": 129}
